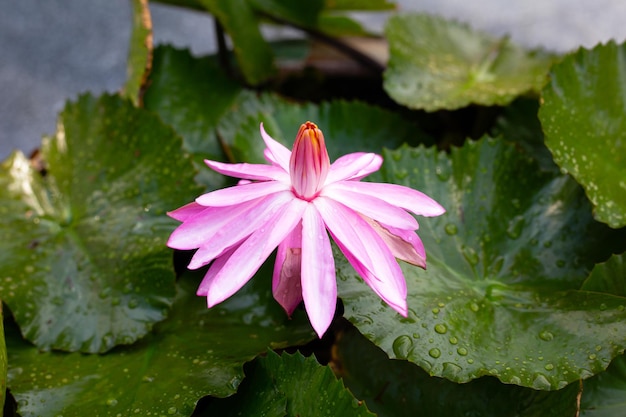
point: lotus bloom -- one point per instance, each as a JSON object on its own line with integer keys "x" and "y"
{"x": 293, "y": 204}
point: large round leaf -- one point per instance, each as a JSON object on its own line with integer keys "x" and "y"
{"x": 83, "y": 259}
{"x": 289, "y": 385}
{"x": 438, "y": 64}
{"x": 195, "y": 352}
{"x": 584, "y": 118}
{"x": 605, "y": 394}
{"x": 398, "y": 388}
{"x": 191, "y": 95}
{"x": 499, "y": 296}
{"x": 347, "y": 127}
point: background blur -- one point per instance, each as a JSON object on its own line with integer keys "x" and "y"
{"x": 52, "y": 50}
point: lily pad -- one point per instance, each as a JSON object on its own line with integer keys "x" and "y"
{"x": 191, "y": 95}
{"x": 83, "y": 255}
{"x": 500, "y": 296}
{"x": 583, "y": 114}
{"x": 439, "y": 64}
{"x": 608, "y": 277}
{"x": 605, "y": 394}
{"x": 398, "y": 388}
{"x": 140, "y": 53}
{"x": 347, "y": 127}
{"x": 195, "y": 352}
{"x": 289, "y": 385}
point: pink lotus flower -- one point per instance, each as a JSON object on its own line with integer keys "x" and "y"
{"x": 291, "y": 204}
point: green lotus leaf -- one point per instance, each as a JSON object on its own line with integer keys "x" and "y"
{"x": 500, "y": 296}
{"x": 83, "y": 260}
{"x": 195, "y": 352}
{"x": 347, "y": 127}
{"x": 439, "y": 64}
{"x": 289, "y": 385}
{"x": 605, "y": 393}
{"x": 191, "y": 95}
{"x": 583, "y": 114}
{"x": 399, "y": 388}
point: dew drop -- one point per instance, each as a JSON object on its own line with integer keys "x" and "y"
{"x": 470, "y": 255}
{"x": 463, "y": 352}
{"x": 441, "y": 328}
{"x": 112, "y": 402}
{"x": 514, "y": 229}
{"x": 549, "y": 367}
{"x": 541, "y": 382}
{"x": 172, "y": 410}
{"x": 401, "y": 174}
{"x": 443, "y": 173}
{"x": 435, "y": 310}
{"x": 451, "y": 229}
{"x": 434, "y": 353}
{"x": 546, "y": 336}
{"x": 451, "y": 370}
{"x": 515, "y": 380}
{"x": 402, "y": 346}
{"x": 453, "y": 340}
{"x": 474, "y": 307}
{"x": 133, "y": 303}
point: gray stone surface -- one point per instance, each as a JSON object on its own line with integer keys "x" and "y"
{"x": 52, "y": 50}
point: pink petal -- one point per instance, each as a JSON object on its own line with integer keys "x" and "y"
{"x": 276, "y": 152}
{"x": 381, "y": 287}
{"x": 238, "y": 228}
{"x": 404, "y": 244}
{"x": 257, "y": 172}
{"x": 240, "y": 193}
{"x": 286, "y": 284}
{"x": 196, "y": 230}
{"x": 353, "y": 166}
{"x": 183, "y": 213}
{"x": 361, "y": 243}
{"x": 215, "y": 267}
{"x": 372, "y": 207}
{"x": 397, "y": 195}
{"x": 249, "y": 256}
{"x": 319, "y": 286}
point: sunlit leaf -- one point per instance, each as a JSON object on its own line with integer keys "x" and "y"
{"x": 195, "y": 352}
{"x": 438, "y": 64}
{"x": 398, "y": 388}
{"x": 500, "y": 294}
{"x": 289, "y": 385}
{"x": 83, "y": 259}
{"x": 140, "y": 54}
{"x": 584, "y": 118}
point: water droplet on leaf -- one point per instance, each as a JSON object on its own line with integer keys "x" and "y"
{"x": 434, "y": 353}
{"x": 402, "y": 346}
